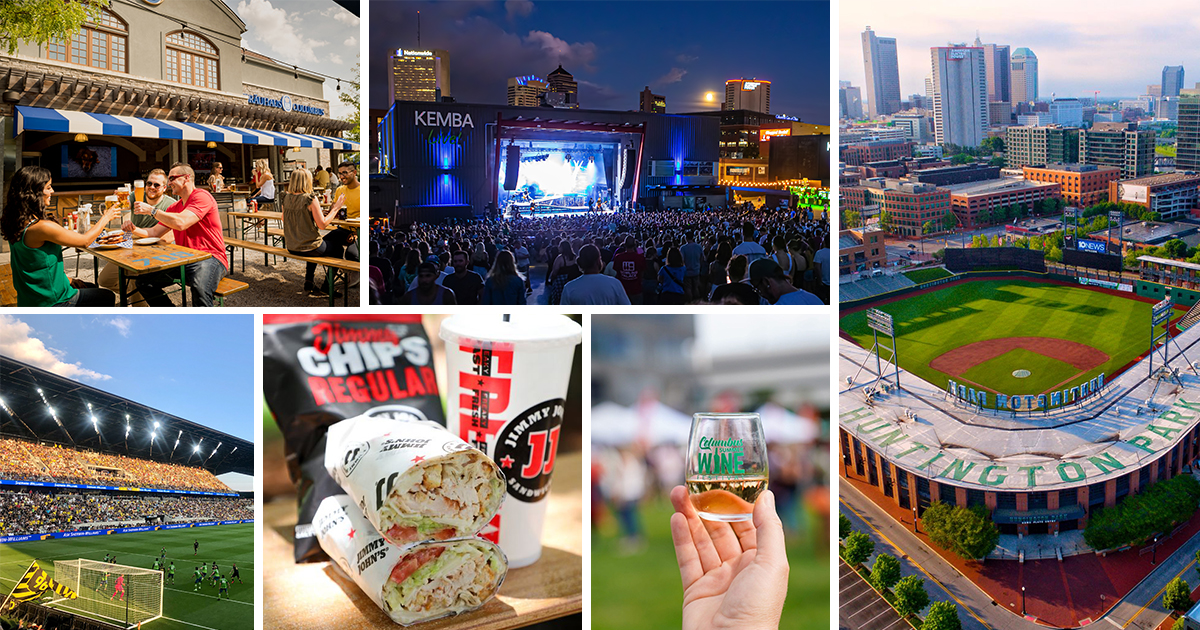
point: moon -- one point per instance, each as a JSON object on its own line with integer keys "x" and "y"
{"x": 709, "y": 97}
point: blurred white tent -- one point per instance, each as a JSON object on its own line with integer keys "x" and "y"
{"x": 655, "y": 422}
{"x": 613, "y": 424}
{"x": 784, "y": 427}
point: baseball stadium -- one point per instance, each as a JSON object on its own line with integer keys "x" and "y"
{"x": 1039, "y": 396}
{"x": 109, "y": 509}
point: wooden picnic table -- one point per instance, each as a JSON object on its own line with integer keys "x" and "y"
{"x": 318, "y": 595}
{"x": 144, "y": 259}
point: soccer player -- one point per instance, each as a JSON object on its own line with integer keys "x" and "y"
{"x": 171, "y": 572}
{"x": 198, "y": 579}
{"x": 204, "y": 570}
{"x": 235, "y": 574}
{"x": 120, "y": 588}
{"x": 156, "y": 566}
{"x": 103, "y": 582}
{"x": 164, "y": 553}
{"x": 106, "y": 557}
{"x": 224, "y": 589}
{"x": 196, "y": 547}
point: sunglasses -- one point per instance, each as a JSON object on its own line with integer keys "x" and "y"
{"x": 154, "y": 185}
{"x": 175, "y": 177}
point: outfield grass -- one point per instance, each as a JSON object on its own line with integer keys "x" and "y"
{"x": 1044, "y": 372}
{"x": 927, "y": 275}
{"x": 641, "y": 589}
{"x": 183, "y": 609}
{"x": 928, "y": 325}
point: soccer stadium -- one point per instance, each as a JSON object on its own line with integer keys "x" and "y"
{"x": 120, "y": 506}
{"x": 1033, "y": 395}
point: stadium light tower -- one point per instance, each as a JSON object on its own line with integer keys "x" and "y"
{"x": 177, "y": 437}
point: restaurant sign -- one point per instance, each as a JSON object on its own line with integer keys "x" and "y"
{"x": 285, "y": 103}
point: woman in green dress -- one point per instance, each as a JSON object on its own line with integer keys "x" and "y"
{"x": 36, "y": 245}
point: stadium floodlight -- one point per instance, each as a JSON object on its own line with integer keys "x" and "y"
{"x": 197, "y": 449}
{"x": 233, "y": 451}
{"x": 156, "y": 426}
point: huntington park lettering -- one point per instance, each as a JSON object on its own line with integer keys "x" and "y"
{"x": 720, "y": 457}
{"x": 1015, "y": 402}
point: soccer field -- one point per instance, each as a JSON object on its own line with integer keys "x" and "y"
{"x": 1014, "y": 337}
{"x": 183, "y": 608}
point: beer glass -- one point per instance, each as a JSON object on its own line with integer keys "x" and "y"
{"x": 139, "y": 190}
{"x": 123, "y": 195}
{"x": 726, "y": 465}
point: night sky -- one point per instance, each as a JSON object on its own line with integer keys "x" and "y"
{"x": 615, "y": 49}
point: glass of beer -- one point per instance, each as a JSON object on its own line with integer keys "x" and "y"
{"x": 139, "y": 190}
{"x": 726, "y": 465}
{"x": 123, "y": 196}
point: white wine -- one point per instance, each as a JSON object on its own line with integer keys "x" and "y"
{"x": 725, "y": 498}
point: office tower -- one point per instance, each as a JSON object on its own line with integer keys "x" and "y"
{"x": 850, "y": 101}
{"x": 653, "y": 103}
{"x": 883, "y": 74}
{"x": 1187, "y": 136}
{"x": 419, "y": 75}
{"x": 1154, "y": 90}
{"x": 999, "y": 113}
{"x": 999, "y": 70}
{"x": 526, "y": 91}
{"x": 1119, "y": 144}
{"x": 916, "y": 126}
{"x": 960, "y": 103}
{"x": 1036, "y": 146}
{"x": 1172, "y": 80}
{"x": 751, "y": 94}
{"x": 1067, "y": 112}
{"x": 1024, "y": 76}
{"x": 564, "y": 90}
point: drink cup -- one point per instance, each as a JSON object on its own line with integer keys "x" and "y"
{"x": 507, "y": 384}
{"x": 253, "y": 205}
{"x": 123, "y": 196}
{"x": 139, "y": 190}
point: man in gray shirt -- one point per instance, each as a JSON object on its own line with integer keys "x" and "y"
{"x": 156, "y": 186}
{"x": 693, "y": 258}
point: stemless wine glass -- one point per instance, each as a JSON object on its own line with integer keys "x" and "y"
{"x": 727, "y": 465}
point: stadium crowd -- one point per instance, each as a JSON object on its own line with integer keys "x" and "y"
{"x": 651, "y": 257}
{"x": 37, "y": 512}
{"x": 29, "y": 461}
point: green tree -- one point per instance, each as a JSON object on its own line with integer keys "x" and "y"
{"x": 1175, "y": 248}
{"x": 995, "y": 144}
{"x": 857, "y": 548}
{"x": 1054, "y": 255}
{"x": 1178, "y": 595}
{"x": 996, "y": 161}
{"x": 911, "y": 597}
{"x": 966, "y": 532}
{"x": 349, "y": 97}
{"x": 942, "y": 616}
{"x": 1180, "y": 624}
{"x": 844, "y": 527}
{"x": 939, "y": 255}
{"x": 39, "y": 21}
{"x": 885, "y": 221}
{"x": 949, "y": 220}
{"x": 851, "y": 218}
{"x": 885, "y": 572}
{"x": 961, "y": 158}
{"x": 995, "y": 240}
{"x": 929, "y": 228}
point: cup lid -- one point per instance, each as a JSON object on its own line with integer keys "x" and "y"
{"x": 530, "y": 330}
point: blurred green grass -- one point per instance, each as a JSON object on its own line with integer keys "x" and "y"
{"x": 642, "y": 589}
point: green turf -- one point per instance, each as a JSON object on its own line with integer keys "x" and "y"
{"x": 641, "y": 588}
{"x": 224, "y": 543}
{"x": 927, "y": 275}
{"x": 930, "y": 324}
{"x": 1044, "y": 372}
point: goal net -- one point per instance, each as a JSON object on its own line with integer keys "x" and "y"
{"x": 129, "y": 595}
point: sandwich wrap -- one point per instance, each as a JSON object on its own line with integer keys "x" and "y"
{"x": 412, "y": 583}
{"x": 321, "y": 369}
{"x": 412, "y": 479}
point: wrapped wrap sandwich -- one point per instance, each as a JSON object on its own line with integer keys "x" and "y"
{"x": 414, "y": 480}
{"x": 411, "y": 583}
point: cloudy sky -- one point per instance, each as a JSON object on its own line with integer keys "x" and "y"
{"x": 316, "y": 35}
{"x": 1081, "y": 46}
{"x": 615, "y": 49}
{"x": 197, "y": 367}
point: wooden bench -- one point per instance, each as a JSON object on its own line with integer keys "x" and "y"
{"x": 338, "y": 266}
{"x": 228, "y": 286}
{"x": 8, "y": 292}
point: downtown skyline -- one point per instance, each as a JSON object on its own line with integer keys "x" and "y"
{"x": 1076, "y": 56}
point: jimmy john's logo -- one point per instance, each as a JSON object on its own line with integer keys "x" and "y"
{"x": 451, "y": 446}
{"x": 354, "y": 454}
{"x": 526, "y": 447}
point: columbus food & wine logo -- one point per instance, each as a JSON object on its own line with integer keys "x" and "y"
{"x": 720, "y": 457}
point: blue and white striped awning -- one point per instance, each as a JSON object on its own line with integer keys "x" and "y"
{"x": 57, "y": 120}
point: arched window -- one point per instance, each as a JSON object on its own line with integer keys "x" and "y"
{"x": 192, "y": 60}
{"x": 101, "y": 44}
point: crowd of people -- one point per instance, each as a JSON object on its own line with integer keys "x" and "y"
{"x": 38, "y": 511}
{"x": 737, "y": 255}
{"x": 31, "y": 461}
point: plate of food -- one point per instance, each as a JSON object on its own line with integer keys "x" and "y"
{"x": 110, "y": 240}
{"x": 146, "y": 241}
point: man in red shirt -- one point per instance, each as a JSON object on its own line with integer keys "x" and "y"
{"x": 196, "y": 224}
{"x": 629, "y": 265}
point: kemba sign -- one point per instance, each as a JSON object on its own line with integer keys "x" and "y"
{"x": 444, "y": 119}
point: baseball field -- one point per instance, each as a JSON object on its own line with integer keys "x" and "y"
{"x": 183, "y": 608}
{"x": 1011, "y": 336}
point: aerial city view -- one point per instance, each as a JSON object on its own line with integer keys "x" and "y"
{"x": 582, "y": 158}
{"x": 1019, "y": 277}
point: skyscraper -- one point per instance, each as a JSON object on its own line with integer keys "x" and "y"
{"x": 999, "y": 71}
{"x": 1024, "y": 76}
{"x": 526, "y": 91}
{"x": 1119, "y": 144}
{"x": 1187, "y": 137}
{"x": 653, "y": 103}
{"x": 751, "y": 94}
{"x": 960, "y": 101}
{"x": 849, "y": 101}
{"x": 1172, "y": 80}
{"x": 883, "y": 74}
{"x": 562, "y": 83}
{"x": 419, "y": 75}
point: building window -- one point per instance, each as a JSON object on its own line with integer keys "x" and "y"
{"x": 192, "y": 60}
{"x": 101, "y": 44}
